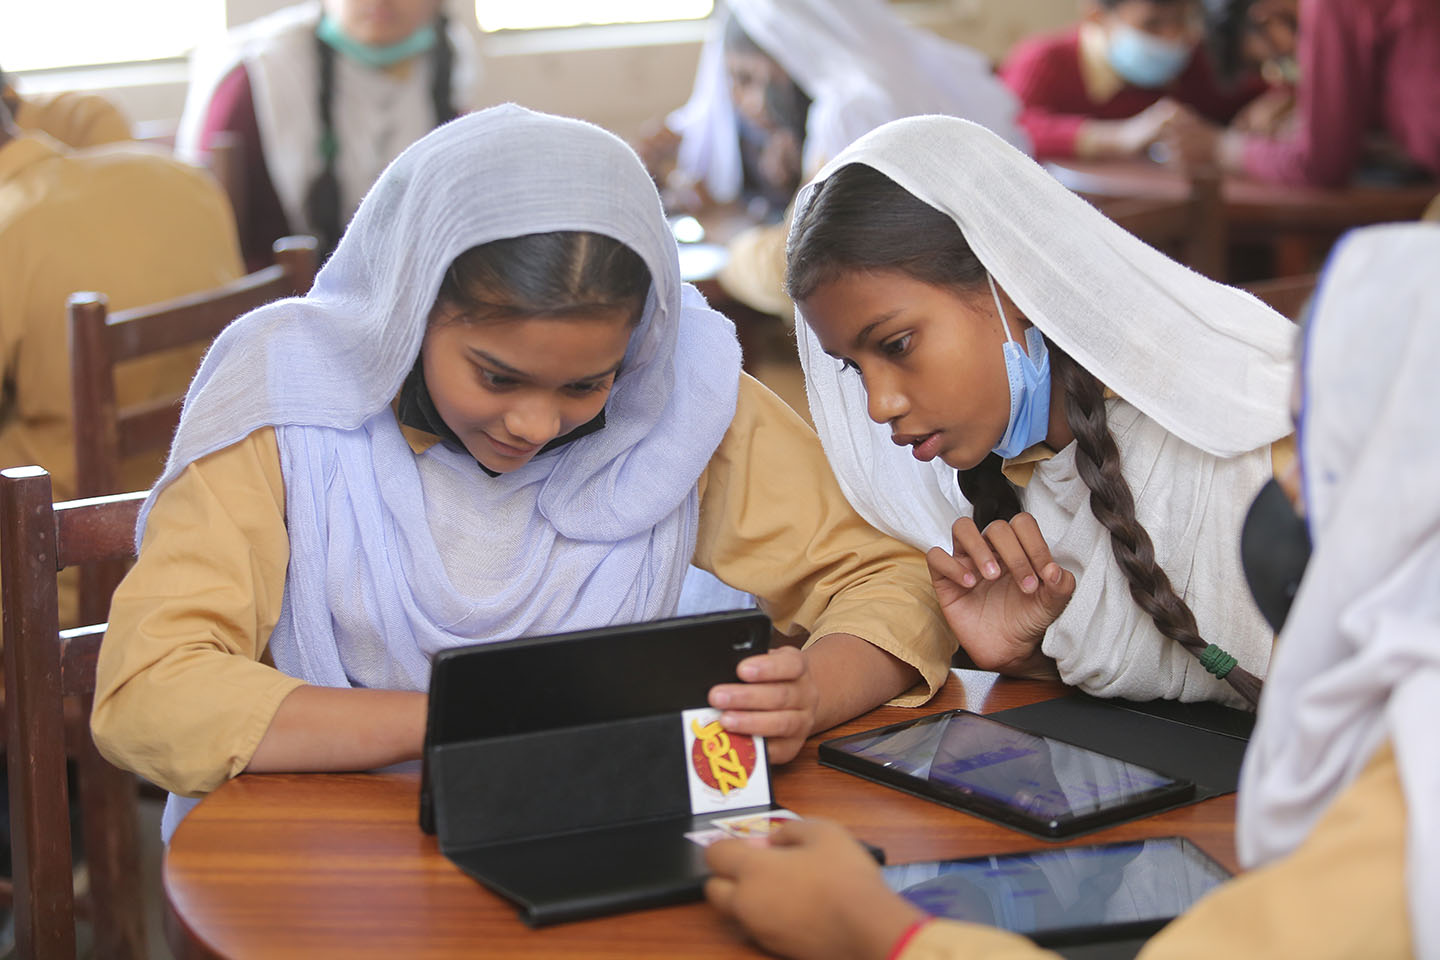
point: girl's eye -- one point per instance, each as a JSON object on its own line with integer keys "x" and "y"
{"x": 897, "y": 346}
{"x": 496, "y": 381}
{"x": 848, "y": 364}
{"x": 592, "y": 386}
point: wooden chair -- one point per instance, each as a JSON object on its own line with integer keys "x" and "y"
{"x": 43, "y": 667}
{"x": 106, "y": 434}
{"x": 1286, "y": 295}
{"x": 1192, "y": 230}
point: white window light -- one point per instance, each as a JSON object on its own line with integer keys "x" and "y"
{"x": 69, "y": 33}
{"x": 537, "y": 14}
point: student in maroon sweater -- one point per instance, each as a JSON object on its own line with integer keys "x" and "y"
{"x": 1369, "y": 101}
{"x": 1118, "y": 81}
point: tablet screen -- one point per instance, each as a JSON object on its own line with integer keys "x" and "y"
{"x": 1072, "y": 889}
{"x": 970, "y": 757}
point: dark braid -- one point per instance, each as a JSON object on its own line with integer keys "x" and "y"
{"x": 442, "y": 67}
{"x": 988, "y": 492}
{"x": 322, "y": 201}
{"x": 1113, "y": 504}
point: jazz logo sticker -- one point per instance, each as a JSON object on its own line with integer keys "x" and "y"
{"x": 726, "y": 771}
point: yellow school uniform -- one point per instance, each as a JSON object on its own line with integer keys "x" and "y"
{"x": 124, "y": 220}
{"x": 75, "y": 119}
{"x": 184, "y": 690}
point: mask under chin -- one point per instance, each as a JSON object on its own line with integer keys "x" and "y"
{"x": 1274, "y": 551}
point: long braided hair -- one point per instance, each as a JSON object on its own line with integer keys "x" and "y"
{"x": 322, "y": 200}
{"x": 859, "y": 219}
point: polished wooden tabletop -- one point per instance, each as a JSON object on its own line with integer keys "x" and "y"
{"x": 1249, "y": 203}
{"x": 335, "y": 865}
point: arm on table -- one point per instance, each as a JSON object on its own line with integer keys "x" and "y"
{"x": 773, "y": 522}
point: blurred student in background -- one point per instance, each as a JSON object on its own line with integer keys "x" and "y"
{"x": 320, "y": 97}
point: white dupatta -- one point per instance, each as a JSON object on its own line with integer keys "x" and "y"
{"x": 860, "y": 65}
{"x": 1358, "y": 662}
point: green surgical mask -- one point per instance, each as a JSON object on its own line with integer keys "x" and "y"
{"x": 375, "y": 57}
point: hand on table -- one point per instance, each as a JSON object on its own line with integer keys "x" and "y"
{"x": 999, "y": 591}
{"x": 777, "y": 701}
{"x": 812, "y": 892}
{"x": 1150, "y": 125}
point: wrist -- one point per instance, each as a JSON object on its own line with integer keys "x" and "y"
{"x": 885, "y": 926}
{"x": 897, "y": 949}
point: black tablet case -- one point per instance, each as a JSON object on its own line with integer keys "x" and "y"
{"x": 554, "y": 767}
{"x": 1203, "y": 742}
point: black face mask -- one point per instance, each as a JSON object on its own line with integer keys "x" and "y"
{"x": 1274, "y": 549}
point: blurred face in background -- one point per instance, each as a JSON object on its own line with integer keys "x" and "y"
{"x": 380, "y": 23}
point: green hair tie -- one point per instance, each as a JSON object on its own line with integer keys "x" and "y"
{"x": 329, "y": 145}
{"x": 1217, "y": 661}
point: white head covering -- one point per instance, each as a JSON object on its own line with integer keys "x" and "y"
{"x": 376, "y": 113}
{"x": 859, "y": 64}
{"x": 1205, "y": 370}
{"x": 395, "y": 556}
{"x": 1359, "y": 659}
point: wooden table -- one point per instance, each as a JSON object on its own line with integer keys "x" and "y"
{"x": 334, "y": 865}
{"x": 1301, "y": 222}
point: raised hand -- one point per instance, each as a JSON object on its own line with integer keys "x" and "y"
{"x": 999, "y": 591}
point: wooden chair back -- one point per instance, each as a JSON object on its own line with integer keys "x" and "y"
{"x": 1192, "y": 229}
{"x": 106, "y": 434}
{"x": 43, "y": 667}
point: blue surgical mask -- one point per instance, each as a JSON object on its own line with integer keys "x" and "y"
{"x": 1029, "y": 373}
{"x": 1144, "y": 60}
{"x": 375, "y": 57}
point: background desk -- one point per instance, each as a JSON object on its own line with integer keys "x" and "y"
{"x": 334, "y": 865}
{"x": 1300, "y": 222}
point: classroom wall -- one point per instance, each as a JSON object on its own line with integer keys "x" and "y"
{"x": 618, "y": 77}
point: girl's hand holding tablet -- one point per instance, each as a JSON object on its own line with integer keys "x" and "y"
{"x": 999, "y": 591}
{"x": 778, "y": 700}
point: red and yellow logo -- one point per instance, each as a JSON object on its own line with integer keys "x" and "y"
{"x": 722, "y": 762}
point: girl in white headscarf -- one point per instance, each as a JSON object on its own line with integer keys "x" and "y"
{"x": 1109, "y": 412}
{"x": 821, "y": 72}
{"x": 1341, "y": 782}
{"x": 497, "y": 414}
{"x": 317, "y": 99}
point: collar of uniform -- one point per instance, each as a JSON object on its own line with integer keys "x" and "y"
{"x": 25, "y": 151}
{"x": 1019, "y": 469}
{"x": 1101, "y": 81}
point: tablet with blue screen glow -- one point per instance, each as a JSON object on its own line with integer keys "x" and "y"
{"x": 1066, "y": 895}
{"x": 1038, "y": 784}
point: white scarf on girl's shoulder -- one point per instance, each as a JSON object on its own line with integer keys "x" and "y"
{"x": 860, "y": 64}
{"x": 1358, "y": 662}
{"x": 377, "y": 113}
{"x": 1204, "y": 371}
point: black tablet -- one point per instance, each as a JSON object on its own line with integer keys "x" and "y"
{"x": 1070, "y": 895}
{"x": 1040, "y": 785}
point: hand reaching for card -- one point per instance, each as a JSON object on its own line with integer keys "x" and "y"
{"x": 999, "y": 592}
{"x": 812, "y": 892}
{"x": 777, "y": 701}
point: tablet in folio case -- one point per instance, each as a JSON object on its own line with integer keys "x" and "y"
{"x": 564, "y": 772}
